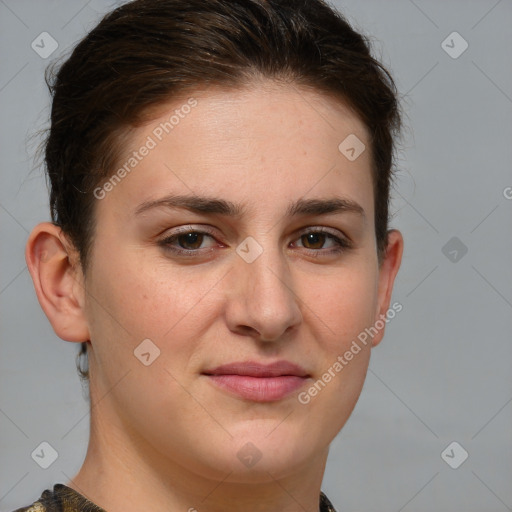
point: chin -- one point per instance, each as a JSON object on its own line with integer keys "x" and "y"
{"x": 257, "y": 457}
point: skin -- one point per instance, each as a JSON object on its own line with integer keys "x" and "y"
{"x": 163, "y": 436}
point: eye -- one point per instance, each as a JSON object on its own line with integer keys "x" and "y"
{"x": 192, "y": 240}
{"x": 188, "y": 242}
{"x": 315, "y": 240}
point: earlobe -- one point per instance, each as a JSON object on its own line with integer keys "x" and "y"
{"x": 388, "y": 270}
{"x": 58, "y": 281}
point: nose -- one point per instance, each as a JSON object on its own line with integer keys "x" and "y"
{"x": 262, "y": 302}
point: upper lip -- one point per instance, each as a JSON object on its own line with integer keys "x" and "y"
{"x": 255, "y": 369}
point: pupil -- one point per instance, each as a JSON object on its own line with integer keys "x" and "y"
{"x": 314, "y": 239}
{"x": 194, "y": 239}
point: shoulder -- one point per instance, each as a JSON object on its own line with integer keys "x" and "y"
{"x": 325, "y": 504}
{"x": 35, "y": 507}
{"x": 61, "y": 499}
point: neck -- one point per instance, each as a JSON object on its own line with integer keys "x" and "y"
{"x": 122, "y": 473}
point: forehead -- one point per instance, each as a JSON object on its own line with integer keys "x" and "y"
{"x": 265, "y": 143}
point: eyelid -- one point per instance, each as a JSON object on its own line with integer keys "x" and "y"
{"x": 165, "y": 242}
{"x": 335, "y": 233}
{"x": 342, "y": 241}
{"x": 205, "y": 229}
{"x": 323, "y": 229}
{"x": 181, "y": 230}
{"x": 187, "y": 228}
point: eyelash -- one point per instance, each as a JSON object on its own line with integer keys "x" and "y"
{"x": 342, "y": 244}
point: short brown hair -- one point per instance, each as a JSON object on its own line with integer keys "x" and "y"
{"x": 146, "y": 52}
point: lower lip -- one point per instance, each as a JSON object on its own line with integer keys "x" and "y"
{"x": 259, "y": 389}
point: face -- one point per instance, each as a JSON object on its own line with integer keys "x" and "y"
{"x": 241, "y": 235}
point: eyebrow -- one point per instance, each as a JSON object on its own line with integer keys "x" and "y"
{"x": 212, "y": 205}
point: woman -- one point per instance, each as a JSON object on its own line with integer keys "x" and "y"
{"x": 220, "y": 248}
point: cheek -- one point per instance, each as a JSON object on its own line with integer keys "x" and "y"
{"x": 338, "y": 311}
{"x": 343, "y": 304}
{"x": 131, "y": 300}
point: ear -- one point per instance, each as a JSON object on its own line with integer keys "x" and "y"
{"x": 388, "y": 270}
{"x": 56, "y": 272}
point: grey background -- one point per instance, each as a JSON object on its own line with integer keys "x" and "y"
{"x": 443, "y": 372}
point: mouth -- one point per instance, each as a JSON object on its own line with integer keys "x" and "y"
{"x": 258, "y": 382}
